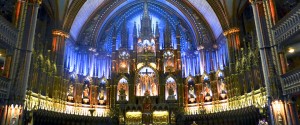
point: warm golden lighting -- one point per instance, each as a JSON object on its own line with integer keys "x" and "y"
{"x": 276, "y": 105}
{"x": 123, "y": 64}
{"x": 291, "y": 50}
{"x": 223, "y": 95}
{"x": 86, "y": 100}
{"x": 70, "y": 98}
{"x": 160, "y": 117}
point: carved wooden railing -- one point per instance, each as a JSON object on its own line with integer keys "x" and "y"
{"x": 8, "y": 33}
{"x": 288, "y": 25}
{"x": 4, "y": 88}
{"x": 291, "y": 82}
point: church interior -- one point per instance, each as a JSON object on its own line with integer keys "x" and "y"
{"x": 149, "y": 62}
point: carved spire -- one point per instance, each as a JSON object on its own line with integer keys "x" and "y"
{"x": 134, "y": 30}
{"x": 124, "y": 35}
{"x": 178, "y": 36}
{"x": 167, "y": 36}
{"x": 114, "y": 32}
{"x": 146, "y": 30}
{"x": 114, "y": 37}
{"x": 146, "y": 11}
{"x": 156, "y": 30}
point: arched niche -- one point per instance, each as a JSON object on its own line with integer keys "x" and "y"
{"x": 71, "y": 87}
{"x": 207, "y": 92}
{"x": 102, "y": 92}
{"x": 170, "y": 89}
{"x": 147, "y": 82}
{"x": 222, "y": 91}
{"x": 86, "y": 90}
{"x": 122, "y": 88}
{"x": 191, "y": 89}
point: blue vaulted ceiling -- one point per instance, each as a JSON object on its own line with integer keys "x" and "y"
{"x": 97, "y": 32}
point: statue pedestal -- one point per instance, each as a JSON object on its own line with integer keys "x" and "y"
{"x": 101, "y": 102}
{"x": 192, "y": 100}
{"x": 122, "y": 98}
{"x": 85, "y": 100}
{"x": 171, "y": 97}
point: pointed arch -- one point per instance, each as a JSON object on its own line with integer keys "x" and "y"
{"x": 123, "y": 89}
{"x": 146, "y": 82}
{"x": 170, "y": 88}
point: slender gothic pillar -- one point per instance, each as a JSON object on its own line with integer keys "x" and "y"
{"x": 287, "y": 112}
{"x": 233, "y": 44}
{"x": 262, "y": 56}
{"x": 58, "y": 48}
{"x": 27, "y": 12}
{"x": 35, "y": 7}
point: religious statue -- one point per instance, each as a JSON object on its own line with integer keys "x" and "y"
{"x": 171, "y": 92}
{"x": 122, "y": 92}
{"x": 101, "y": 94}
{"x": 85, "y": 94}
{"x": 207, "y": 92}
{"x": 191, "y": 91}
{"x": 222, "y": 90}
{"x": 153, "y": 87}
{"x": 86, "y": 91}
{"x": 192, "y": 94}
{"x": 70, "y": 92}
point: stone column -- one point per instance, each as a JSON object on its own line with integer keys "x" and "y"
{"x": 28, "y": 45}
{"x": 293, "y": 112}
{"x": 263, "y": 57}
{"x": 282, "y": 63}
{"x": 107, "y": 95}
{"x": 287, "y": 112}
{"x": 58, "y": 48}
{"x": 233, "y": 44}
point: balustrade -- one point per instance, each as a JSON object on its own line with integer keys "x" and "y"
{"x": 291, "y": 81}
{"x": 8, "y": 33}
{"x": 288, "y": 25}
{"x": 4, "y": 88}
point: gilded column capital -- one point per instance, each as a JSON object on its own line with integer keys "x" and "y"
{"x": 60, "y": 33}
{"x": 35, "y": 1}
{"x": 252, "y": 1}
{"x": 255, "y": 1}
{"x": 231, "y": 31}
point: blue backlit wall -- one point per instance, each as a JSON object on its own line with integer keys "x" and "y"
{"x": 86, "y": 61}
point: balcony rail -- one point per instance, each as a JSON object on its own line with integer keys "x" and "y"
{"x": 4, "y": 88}
{"x": 291, "y": 82}
{"x": 288, "y": 25}
{"x": 8, "y": 33}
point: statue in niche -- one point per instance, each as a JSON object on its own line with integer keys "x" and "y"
{"x": 70, "y": 92}
{"x": 207, "y": 92}
{"x": 171, "y": 87}
{"x": 192, "y": 94}
{"x": 122, "y": 92}
{"x": 153, "y": 87}
{"x": 101, "y": 94}
{"x": 192, "y": 91}
{"x": 171, "y": 90}
{"x": 86, "y": 91}
{"x": 222, "y": 90}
